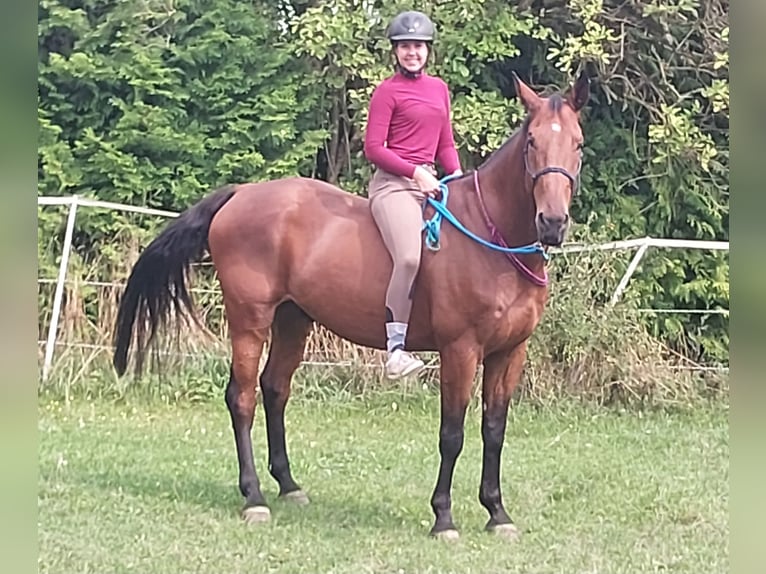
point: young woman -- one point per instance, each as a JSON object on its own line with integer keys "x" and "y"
{"x": 409, "y": 129}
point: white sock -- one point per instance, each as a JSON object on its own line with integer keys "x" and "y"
{"x": 395, "y": 333}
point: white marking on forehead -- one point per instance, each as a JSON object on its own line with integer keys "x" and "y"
{"x": 556, "y": 127}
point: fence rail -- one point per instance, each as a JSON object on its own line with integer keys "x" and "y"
{"x": 641, "y": 245}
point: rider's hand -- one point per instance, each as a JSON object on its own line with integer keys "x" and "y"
{"x": 427, "y": 183}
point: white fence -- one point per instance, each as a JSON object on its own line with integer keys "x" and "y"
{"x": 74, "y": 202}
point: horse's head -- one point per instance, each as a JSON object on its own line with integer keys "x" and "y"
{"x": 553, "y": 154}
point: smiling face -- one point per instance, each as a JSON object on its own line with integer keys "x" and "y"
{"x": 412, "y": 55}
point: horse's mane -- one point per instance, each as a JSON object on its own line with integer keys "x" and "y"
{"x": 556, "y": 102}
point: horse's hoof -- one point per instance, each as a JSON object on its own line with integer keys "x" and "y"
{"x": 296, "y": 497}
{"x": 256, "y": 514}
{"x": 507, "y": 531}
{"x": 449, "y": 535}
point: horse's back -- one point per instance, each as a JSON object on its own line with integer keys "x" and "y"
{"x": 299, "y": 194}
{"x": 291, "y": 210}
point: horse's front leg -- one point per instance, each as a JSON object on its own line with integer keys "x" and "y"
{"x": 502, "y": 372}
{"x": 458, "y": 367}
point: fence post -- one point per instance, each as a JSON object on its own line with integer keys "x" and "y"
{"x": 629, "y": 271}
{"x": 59, "y": 294}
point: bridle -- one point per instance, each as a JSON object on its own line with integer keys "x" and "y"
{"x": 574, "y": 180}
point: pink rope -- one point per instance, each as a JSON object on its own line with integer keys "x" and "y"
{"x": 525, "y": 271}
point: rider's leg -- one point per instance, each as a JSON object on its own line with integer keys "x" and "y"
{"x": 397, "y": 209}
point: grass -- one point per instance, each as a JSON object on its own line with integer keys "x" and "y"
{"x": 140, "y": 486}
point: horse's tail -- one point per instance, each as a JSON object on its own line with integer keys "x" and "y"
{"x": 158, "y": 281}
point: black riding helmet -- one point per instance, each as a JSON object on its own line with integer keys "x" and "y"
{"x": 411, "y": 25}
{"x": 414, "y": 26}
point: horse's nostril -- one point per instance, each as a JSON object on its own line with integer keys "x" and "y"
{"x": 552, "y": 221}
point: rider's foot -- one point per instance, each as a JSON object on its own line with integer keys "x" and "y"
{"x": 400, "y": 364}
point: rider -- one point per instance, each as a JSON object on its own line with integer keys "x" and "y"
{"x": 409, "y": 128}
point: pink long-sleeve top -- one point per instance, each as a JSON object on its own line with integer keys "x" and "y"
{"x": 409, "y": 125}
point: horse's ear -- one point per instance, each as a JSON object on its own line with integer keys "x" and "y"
{"x": 528, "y": 97}
{"x": 579, "y": 93}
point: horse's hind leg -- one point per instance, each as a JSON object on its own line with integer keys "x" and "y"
{"x": 288, "y": 340}
{"x": 247, "y": 346}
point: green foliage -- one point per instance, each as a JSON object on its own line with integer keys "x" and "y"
{"x": 156, "y": 106}
{"x": 592, "y": 44}
{"x": 656, "y": 144}
{"x": 155, "y": 103}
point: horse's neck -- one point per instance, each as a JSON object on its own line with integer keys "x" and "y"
{"x": 508, "y": 198}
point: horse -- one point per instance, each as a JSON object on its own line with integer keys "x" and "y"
{"x": 293, "y": 252}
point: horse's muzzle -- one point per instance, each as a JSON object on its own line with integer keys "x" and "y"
{"x": 551, "y": 230}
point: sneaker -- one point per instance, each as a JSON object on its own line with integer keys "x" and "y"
{"x": 400, "y": 363}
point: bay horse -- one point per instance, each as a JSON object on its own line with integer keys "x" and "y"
{"x": 293, "y": 252}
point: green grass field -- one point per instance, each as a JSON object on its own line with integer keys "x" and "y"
{"x": 139, "y": 486}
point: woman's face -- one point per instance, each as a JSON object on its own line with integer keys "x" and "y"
{"x": 412, "y": 54}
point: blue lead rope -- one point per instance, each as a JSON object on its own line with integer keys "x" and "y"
{"x": 432, "y": 226}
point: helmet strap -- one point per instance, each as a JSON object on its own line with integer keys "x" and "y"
{"x": 407, "y": 74}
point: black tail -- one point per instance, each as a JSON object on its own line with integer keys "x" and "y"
{"x": 158, "y": 281}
